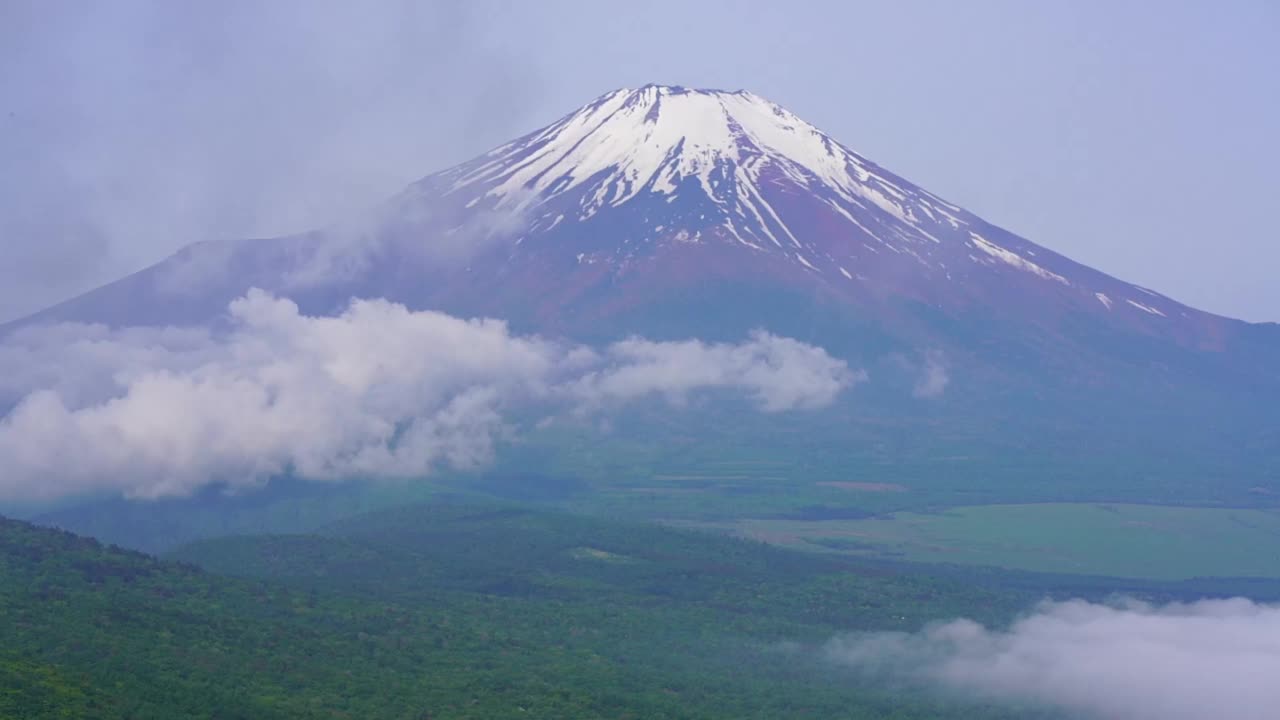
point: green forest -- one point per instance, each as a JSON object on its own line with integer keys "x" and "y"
{"x": 460, "y": 608}
{"x": 457, "y": 610}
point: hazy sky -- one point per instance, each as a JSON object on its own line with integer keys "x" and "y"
{"x": 1137, "y": 137}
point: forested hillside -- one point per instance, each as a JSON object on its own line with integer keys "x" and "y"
{"x": 452, "y": 611}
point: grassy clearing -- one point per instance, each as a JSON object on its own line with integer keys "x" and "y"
{"x": 865, "y": 486}
{"x": 1139, "y": 541}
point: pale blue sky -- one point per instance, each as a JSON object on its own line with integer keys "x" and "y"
{"x": 1137, "y": 137}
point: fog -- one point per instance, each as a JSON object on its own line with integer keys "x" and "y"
{"x": 1208, "y": 660}
{"x": 133, "y": 128}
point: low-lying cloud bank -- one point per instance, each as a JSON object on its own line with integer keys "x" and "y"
{"x": 378, "y": 391}
{"x": 1213, "y": 659}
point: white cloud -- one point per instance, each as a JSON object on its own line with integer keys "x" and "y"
{"x": 376, "y": 391}
{"x": 1209, "y": 660}
{"x": 779, "y": 373}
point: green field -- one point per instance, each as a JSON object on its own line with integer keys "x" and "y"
{"x": 1140, "y": 541}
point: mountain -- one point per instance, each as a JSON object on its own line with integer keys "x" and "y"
{"x": 674, "y": 212}
{"x": 645, "y": 190}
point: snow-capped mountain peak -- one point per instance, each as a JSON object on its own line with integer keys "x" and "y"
{"x": 652, "y": 139}
{"x": 639, "y": 170}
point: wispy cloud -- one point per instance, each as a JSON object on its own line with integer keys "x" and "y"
{"x": 378, "y": 390}
{"x": 934, "y": 376}
{"x": 1208, "y": 660}
{"x": 778, "y": 373}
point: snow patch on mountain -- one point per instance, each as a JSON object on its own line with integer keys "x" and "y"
{"x": 1145, "y": 308}
{"x": 1013, "y": 258}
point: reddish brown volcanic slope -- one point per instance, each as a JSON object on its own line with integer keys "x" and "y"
{"x": 650, "y": 209}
